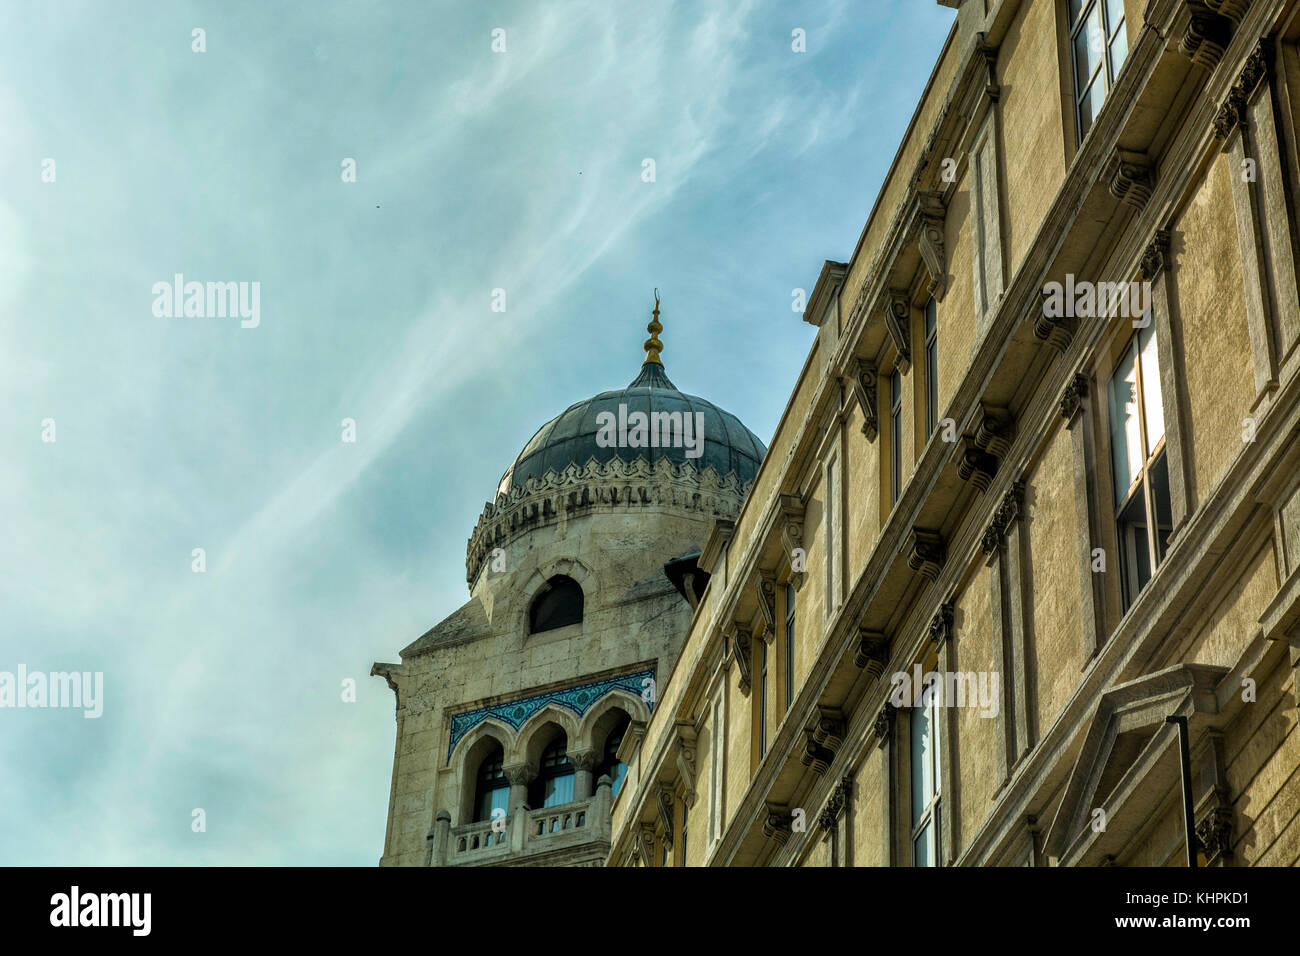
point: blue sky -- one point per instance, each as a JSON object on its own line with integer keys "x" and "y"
{"x": 475, "y": 171}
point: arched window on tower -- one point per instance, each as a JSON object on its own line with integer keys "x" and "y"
{"x": 557, "y": 605}
{"x": 609, "y": 763}
{"x": 491, "y": 788}
{"x": 554, "y": 783}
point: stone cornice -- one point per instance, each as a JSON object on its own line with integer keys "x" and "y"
{"x": 614, "y": 486}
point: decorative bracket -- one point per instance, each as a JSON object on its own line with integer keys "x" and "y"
{"x": 898, "y": 311}
{"x": 926, "y": 553}
{"x": 1010, "y": 508}
{"x": 873, "y": 652}
{"x": 685, "y": 758}
{"x": 777, "y": 824}
{"x": 974, "y": 464}
{"x": 836, "y": 801}
{"x": 862, "y": 379}
{"x": 1072, "y": 399}
{"x": 941, "y": 624}
{"x": 1232, "y": 114}
{"x": 792, "y": 512}
{"x": 928, "y": 216}
{"x": 815, "y": 755}
{"x": 1205, "y": 36}
{"x": 741, "y": 643}
{"x": 1130, "y": 177}
{"x": 884, "y": 724}
{"x": 664, "y": 798}
{"x": 645, "y": 841}
{"x": 1156, "y": 255}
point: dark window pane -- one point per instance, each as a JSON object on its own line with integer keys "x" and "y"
{"x": 1160, "y": 497}
{"x": 1089, "y": 43}
{"x": 559, "y": 605}
{"x": 1118, "y": 50}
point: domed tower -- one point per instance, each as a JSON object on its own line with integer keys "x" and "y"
{"x": 512, "y": 711}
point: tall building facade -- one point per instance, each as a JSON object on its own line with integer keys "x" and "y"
{"x": 1028, "y": 531}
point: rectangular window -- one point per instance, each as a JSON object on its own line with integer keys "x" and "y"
{"x": 789, "y": 645}
{"x": 715, "y": 770}
{"x": 931, "y": 367}
{"x": 831, "y": 563}
{"x": 1139, "y": 465}
{"x": 986, "y": 229}
{"x": 895, "y": 436}
{"x": 925, "y": 783}
{"x": 762, "y": 702}
{"x": 1098, "y": 46}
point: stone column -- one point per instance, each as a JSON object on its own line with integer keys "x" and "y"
{"x": 438, "y": 839}
{"x": 1076, "y": 411}
{"x": 584, "y": 762}
{"x": 1246, "y": 123}
{"x": 520, "y": 776}
{"x": 941, "y": 633}
{"x": 601, "y": 809}
{"x": 1173, "y": 382}
{"x": 888, "y": 782}
{"x": 1004, "y": 543}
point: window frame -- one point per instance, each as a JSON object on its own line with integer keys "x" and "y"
{"x": 1105, "y": 70}
{"x": 895, "y": 436}
{"x": 789, "y": 643}
{"x": 1143, "y": 483}
{"x": 931, "y": 815}
{"x": 930, "y": 340}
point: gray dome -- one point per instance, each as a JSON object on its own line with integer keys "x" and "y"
{"x": 570, "y": 437}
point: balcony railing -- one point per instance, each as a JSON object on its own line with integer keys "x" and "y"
{"x": 526, "y": 833}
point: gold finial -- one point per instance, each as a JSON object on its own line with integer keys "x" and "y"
{"x": 652, "y": 345}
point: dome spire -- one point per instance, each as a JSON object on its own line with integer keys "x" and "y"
{"x": 652, "y": 345}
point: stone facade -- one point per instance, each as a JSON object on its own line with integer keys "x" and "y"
{"x": 961, "y": 515}
{"x": 626, "y": 532}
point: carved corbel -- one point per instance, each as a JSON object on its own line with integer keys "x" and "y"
{"x": 898, "y": 312}
{"x": 1130, "y": 177}
{"x": 741, "y": 641}
{"x": 645, "y": 843}
{"x": 1010, "y": 508}
{"x": 926, "y": 553}
{"x": 884, "y": 724}
{"x": 862, "y": 379}
{"x": 765, "y": 585}
{"x": 664, "y": 799}
{"x": 684, "y": 756}
{"x": 776, "y": 826}
{"x": 1205, "y": 36}
{"x": 1156, "y": 255}
{"x": 1073, "y": 397}
{"x": 1054, "y": 331}
{"x": 1232, "y": 114}
{"x": 836, "y": 801}
{"x": 993, "y": 430}
{"x": 829, "y": 728}
{"x": 941, "y": 624}
{"x": 1232, "y": 9}
{"x": 873, "y": 652}
{"x": 928, "y": 220}
{"x": 792, "y": 512}
{"x": 815, "y": 755}
{"x": 974, "y": 464}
